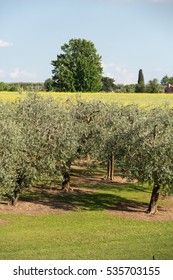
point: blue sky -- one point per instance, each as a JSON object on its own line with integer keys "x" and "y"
{"x": 128, "y": 34}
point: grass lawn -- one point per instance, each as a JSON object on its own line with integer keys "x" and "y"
{"x": 84, "y": 235}
{"x": 89, "y": 225}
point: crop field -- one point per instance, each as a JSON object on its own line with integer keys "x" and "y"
{"x": 143, "y": 99}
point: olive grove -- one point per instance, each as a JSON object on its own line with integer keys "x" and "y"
{"x": 41, "y": 138}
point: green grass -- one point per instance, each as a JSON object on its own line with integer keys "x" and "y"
{"x": 88, "y": 231}
{"x": 143, "y": 99}
{"x": 84, "y": 235}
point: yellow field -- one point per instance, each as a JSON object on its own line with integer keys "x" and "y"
{"x": 143, "y": 99}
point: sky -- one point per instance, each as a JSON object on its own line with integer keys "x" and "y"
{"x": 128, "y": 34}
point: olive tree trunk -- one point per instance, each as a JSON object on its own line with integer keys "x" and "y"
{"x": 110, "y": 168}
{"x": 66, "y": 182}
{"x": 152, "y": 208}
{"x": 17, "y": 189}
{"x": 15, "y": 197}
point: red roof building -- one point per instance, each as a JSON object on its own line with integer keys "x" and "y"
{"x": 169, "y": 89}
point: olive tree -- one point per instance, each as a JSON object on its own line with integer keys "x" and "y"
{"x": 140, "y": 141}
{"x": 12, "y": 156}
{"x": 117, "y": 123}
{"x": 49, "y": 135}
{"x": 147, "y": 154}
{"x": 37, "y": 139}
{"x": 88, "y": 119}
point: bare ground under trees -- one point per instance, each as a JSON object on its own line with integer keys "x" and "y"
{"x": 52, "y": 200}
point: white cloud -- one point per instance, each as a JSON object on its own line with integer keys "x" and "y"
{"x": 108, "y": 65}
{"x": 120, "y": 74}
{"x": 4, "y": 44}
{"x": 22, "y": 74}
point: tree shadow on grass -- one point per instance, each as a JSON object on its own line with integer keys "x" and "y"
{"x": 100, "y": 183}
{"x": 82, "y": 199}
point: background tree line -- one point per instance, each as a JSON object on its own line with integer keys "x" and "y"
{"x": 21, "y": 86}
{"x": 41, "y": 139}
{"x": 108, "y": 85}
{"x": 79, "y": 69}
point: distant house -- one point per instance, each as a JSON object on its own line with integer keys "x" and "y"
{"x": 169, "y": 89}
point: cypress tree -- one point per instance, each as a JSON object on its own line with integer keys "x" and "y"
{"x": 140, "y": 87}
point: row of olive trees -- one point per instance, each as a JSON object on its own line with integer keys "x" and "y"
{"x": 37, "y": 138}
{"x": 140, "y": 141}
{"x": 42, "y": 138}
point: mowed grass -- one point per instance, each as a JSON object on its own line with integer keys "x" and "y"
{"x": 84, "y": 235}
{"x": 88, "y": 230}
{"x": 143, "y": 99}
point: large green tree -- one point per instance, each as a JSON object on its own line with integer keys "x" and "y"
{"x": 78, "y": 68}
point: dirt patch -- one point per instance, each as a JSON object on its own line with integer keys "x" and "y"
{"x": 29, "y": 208}
{"x": 136, "y": 212}
{"x": 51, "y": 200}
{"x": 50, "y": 203}
{"x": 3, "y": 222}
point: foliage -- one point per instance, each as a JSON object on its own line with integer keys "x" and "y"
{"x": 3, "y": 86}
{"x": 141, "y": 142}
{"x": 129, "y": 88}
{"x": 40, "y": 138}
{"x": 48, "y": 85}
{"x": 21, "y": 86}
{"x": 148, "y": 149}
{"x": 166, "y": 80}
{"x": 78, "y": 69}
{"x": 141, "y": 77}
{"x": 108, "y": 84}
{"x": 118, "y": 122}
{"x": 9, "y": 87}
{"x": 140, "y": 87}
{"x": 11, "y": 150}
{"x": 49, "y": 134}
{"x": 88, "y": 119}
{"x": 153, "y": 86}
